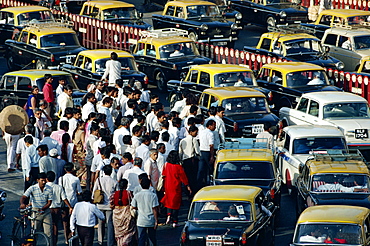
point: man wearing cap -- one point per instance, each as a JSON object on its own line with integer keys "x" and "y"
{"x": 46, "y": 163}
{"x": 59, "y": 163}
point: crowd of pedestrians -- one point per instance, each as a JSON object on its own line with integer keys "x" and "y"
{"x": 119, "y": 145}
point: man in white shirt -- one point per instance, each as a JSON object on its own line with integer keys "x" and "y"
{"x": 137, "y": 131}
{"x": 314, "y": 237}
{"x": 74, "y": 121}
{"x": 266, "y": 136}
{"x": 30, "y": 166}
{"x": 174, "y": 131}
{"x": 83, "y": 217}
{"x": 11, "y": 145}
{"x": 89, "y": 106}
{"x": 132, "y": 174}
{"x": 113, "y": 69}
{"x": 21, "y": 146}
{"x": 220, "y": 124}
{"x": 46, "y": 163}
{"x": 51, "y": 143}
{"x": 151, "y": 168}
{"x": 65, "y": 99}
{"x": 94, "y": 131}
{"x": 105, "y": 109}
{"x": 207, "y": 151}
{"x": 212, "y": 116}
{"x": 62, "y": 83}
{"x": 120, "y": 132}
{"x": 143, "y": 150}
{"x": 126, "y": 165}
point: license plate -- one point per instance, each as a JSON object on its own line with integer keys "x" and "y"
{"x": 257, "y": 128}
{"x": 221, "y": 43}
{"x": 361, "y": 133}
{"x": 69, "y": 59}
{"x": 213, "y": 240}
{"x": 125, "y": 81}
{"x": 218, "y": 36}
{"x": 297, "y": 21}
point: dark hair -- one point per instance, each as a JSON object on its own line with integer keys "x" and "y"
{"x": 212, "y": 110}
{"x": 137, "y": 92}
{"x": 127, "y": 90}
{"x": 47, "y": 132}
{"x": 193, "y": 128}
{"x": 153, "y": 96}
{"x": 173, "y": 157}
{"x": 220, "y": 109}
{"x": 266, "y": 126}
{"x": 154, "y": 135}
{"x": 136, "y": 129}
{"x": 145, "y": 183}
{"x": 43, "y": 147}
{"x": 69, "y": 167}
{"x": 191, "y": 99}
{"x": 30, "y": 129}
{"x": 89, "y": 95}
{"x": 191, "y": 121}
{"x": 64, "y": 125}
{"x": 86, "y": 196}
{"x": 143, "y": 176}
{"x": 126, "y": 139}
{"x": 165, "y": 136}
{"x": 143, "y": 105}
{"x": 28, "y": 139}
{"x": 114, "y": 56}
{"x": 32, "y": 120}
{"x": 157, "y": 106}
{"x": 41, "y": 176}
{"x": 160, "y": 114}
{"x": 94, "y": 127}
{"x": 65, "y": 141}
{"x": 47, "y": 76}
{"x": 145, "y": 138}
{"x": 103, "y": 132}
{"x": 50, "y": 176}
{"x": 131, "y": 103}
{"x": 210, "y": 122}
{"x": 107, "y": 169}
{"x": 138, "y": 161}
{"x": 119, "y": 82}
{"x": 67, "y": 88}
{"x": 127, "y": 155}
{"x": 107, "y": 100}
{"x": 91, "y": 115}
{"x": 165, "y": 124}
{"x": 199, "y": 119}
{"x": 193, "y": 109}
{"x": 176, "y": 121}
{"x": 34, "y": 87}
{"x": 173, "y": 114}
{"x": 160, "y": 145}
{"x": 122, "y": 185}
{"x": 141, "y": 118}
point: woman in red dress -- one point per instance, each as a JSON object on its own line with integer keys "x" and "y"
{"x": 173, "y": 175}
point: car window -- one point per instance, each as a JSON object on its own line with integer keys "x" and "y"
{"x": 6, "y": 18}
{"x": 204, "y": 78}
{"x": 266, "y": 42}
{"x": 231, "y": 211}
{"x": 245, "y": 170}
{"x": 24, "y": 37}
{"x": 325, "y": 20}
{"x": 314, "y": 108}
{"x": 331, "y": 39}
{"x": 305, "y": 145}
{"x": 33, "y": 39}
{"x": 287, "y": 142}
{"x": 302, "y": 106}
{"x": 276, "y": 78}
{"x": 150, "y": 50}
{"x": 94, "y": 11}
{"x": 88, "y": 64}
{"x": 79, "y": 61}
{"x": 306, "y": 175}
{"x": 9, "y": 82}
{"x": 214, "y": 101}
{"x": 367, "y": 228}
{"x": 341, "y": 40}
{"x": 170, "y": 10}
{"x": 24, "y": 83}
{"x": 193, "y": 76}
{"x": 204, "y": 100}
{"x": 85, "y": 10}
{"x": 179, "y": 12}
{"x": 60, "y": 39}
{"x": 264, "y": 74}
{"x": 140, "y": 49}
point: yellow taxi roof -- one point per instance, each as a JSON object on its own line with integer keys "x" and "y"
{"x": 289, "y": 67}
{"x": 48, "y": 29}
{"x": 344, "y": 12}
{"x": 290, "y": 36}
{"x": 103, "y": 53}
{"x": 227, "y": 193}
{"x": 334, "y": 213}
{"x": 36, "y": 73}
{"x": 365, "y": 58}
{"x": 165, "y": 40}
{"x": 234, "y": 92}
{"x": 109, "y": 4}
{"x": 184, "y": 3}
{"x": 220, "y": 68}
{"x": 24, "y": 9}
{"x": 245, "y": 155}
{"x": 349, "y": 166}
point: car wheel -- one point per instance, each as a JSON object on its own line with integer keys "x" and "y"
{"x": 10, "y": 63}
{"x": 173, "y": 99}
{"x": 193, "y": 36}
{"x": 271, "y": 22}
{"x": 40, "y": 65}
{"x": 160, "y": 81}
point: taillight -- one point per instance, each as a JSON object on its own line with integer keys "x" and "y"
{"x": 272, "y": 193}
{"x": 236, "y": 127}
{"x": 183, "y": 237}
{"x": 243, "y": 240}
{"x": 76, "y": 76}
{"x": 52, "y": 58}
{"x": 146, "y": 80}
{"x": 270, "y": 96}
{"x": 174, "y": 67}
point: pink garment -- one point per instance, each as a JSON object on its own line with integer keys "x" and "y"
{"x": 57, "y": 135}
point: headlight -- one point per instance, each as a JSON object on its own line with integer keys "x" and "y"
{"x": 282, "y": 14}
{"x": 339, "y": 65}
{"x": 204, "y": 27}
{"x": 238, "y": 16}
{"x": 234, "y": 26}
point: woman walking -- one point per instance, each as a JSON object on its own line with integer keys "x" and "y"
{"x": 32, "y": 101}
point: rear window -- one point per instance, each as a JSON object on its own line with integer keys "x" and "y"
{"x": 305, "y": 145}
{"x": 220, "y": 210}
{"x": 245, "y": 170}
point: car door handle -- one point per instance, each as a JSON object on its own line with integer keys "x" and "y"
{"x": 280, "y": 89}
{"x": 303, "y": 116}
{"x": 155, "y": 61}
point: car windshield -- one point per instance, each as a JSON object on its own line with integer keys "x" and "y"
{"x": 245, "y": 170}
{"x": 362, "y": 42}
{"x": 235, "y": 211}
{"x": 307, "y": 78}
{"x": 356, "y": 20}
{"x": 234, "y": 79}
{"x": 203, "y": 11}
{"x": 302, "y": 46}
{"x": 333, "y": 233}
{"x": 245, "y": 105}
{"x": 60, "y": 39}
{"x": 305, "y": 145}
{"x": 35, "y": 17}
{"x": 127, "y": 63}
{"x": 120, "y": 13}
{"x": 346, "y": 110}
{"x": 178, "y": 50}
{"x": 68, "y": 78}
{"x": 342, "y": 182}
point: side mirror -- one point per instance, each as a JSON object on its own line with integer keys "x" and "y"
{"x": 327, "y": 49}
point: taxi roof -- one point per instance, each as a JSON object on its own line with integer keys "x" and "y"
{"x": 109, "y": 4}
{"x": 234, "y": 92}
{"x": 48, "y": 29}
{"x": 164, "y": 40}
{"x": 245, "y": 155}
{"x": 103, "y": 53}
{"x": 334, "y": 97}
{"x": 184, "y": 3}
{"x": 24, "y": 9}
{"x": 220, "y": 68}
{"x": 227, "y": 193}
{"x": 334, "y": 213}
{"x": 332, "y": 166}
{"x": 289, "y": 36}
{"x": 316, "y": 131}
{"x": 344, "y": 12}
{"x": 288, "y": 67}
{"x": 36, "y": 73}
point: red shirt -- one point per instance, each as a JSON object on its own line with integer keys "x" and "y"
{"x": 48, "y": 93}
{"x": 124, "y": 199}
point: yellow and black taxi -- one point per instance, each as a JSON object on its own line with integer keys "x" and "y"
{"x": 248, "y": 161}
{"x": 338, "y": 17}
{"x": 287, "y": 81}
{"x": 333, "y": 225}
{"x": 270, "y": 12}
{"x": 41, "y": 46}
{"x": 115, "y": 12}
{"x": 364, "y": 67}
{"x": 89, "y": 67}
{"x": 16, "y": 86}
{"x": 202, "y": 19}
{"x": 13, "y": 19}
{"x": 333, "y": 177}
{"x": 284, "y": 43}
{"x": 246, "y": 109}
{"x": 205, "y": 76}
{"x": 229, "y": 215}
{"x": 165, "y": 54}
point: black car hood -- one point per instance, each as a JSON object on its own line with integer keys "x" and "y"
{"x": 314, "y": 88}
{"x": 355, "y": 199}
{"x": 248, "y": 119}
{"x": 65, "y": 50}
{"x": 231, "y": 229}
{"x": 127, "y": 74}
{"x": 184, "y": 61}
{"x": 210, "y": 21}
{"x": 265, "y": 185}
{"x": 289, "y": 8}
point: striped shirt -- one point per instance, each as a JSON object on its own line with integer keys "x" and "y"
{"x": 38, "y": 197}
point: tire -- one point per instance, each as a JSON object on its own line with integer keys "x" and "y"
{"x": 193, "y": 36}
{"x": 41, "y": 239}
{"x": 271, "y": 22}
{"x": 160, "y": 81}
{"x": 40, "y": 65}
{"x": 17, "y": 234}
{"x": 10, "y": 63}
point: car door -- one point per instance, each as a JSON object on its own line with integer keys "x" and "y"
{"x": 204, "y": 102}
{"x": 6, "y": 26}
{"x": 298, "y": 116}
{"x": 165, "y": 20}
{"x": 19, "y": 49}
{"x": 312, "y": 116}
{"x": 23, "y": 87}
{"x": 349, "y": 56}
{"x": 303, "y": 183}
{"x": 83, "y": 70}
{"x": 249, "y": 10}
{"x": 263, "y": 226}
{"x": 287, "y": 161}
{"x": 324, "y": 23}
{"x": 204, "y": 81}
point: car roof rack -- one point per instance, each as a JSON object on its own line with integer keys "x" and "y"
{"x": 290, "y": 29}
{"x": 45, "y": 25}
{"x": 336, "y": 155}
{"x": 167, "y": 32}
{"x": 244, "y": 143}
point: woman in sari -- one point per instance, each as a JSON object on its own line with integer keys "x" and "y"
{"x": 123, "y": 221}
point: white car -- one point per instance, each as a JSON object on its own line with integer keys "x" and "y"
{"x": 296, "y": 143}
{"x": 347, "y": 111}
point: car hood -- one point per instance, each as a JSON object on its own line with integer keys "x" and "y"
{"x": 355, "y": 199}
{"x": 210, "y": 21}
{"x": 132, "y": 73}
{"x": 363, "y": 52}
{"x": 65, "y": 50}
{"x": 186, "y": 61}
{"x": 289, "y": 8}
{"x": 247, "y": 119}
{"x": 265, "y": 185}
{"x": 313, "y": 59}
{"x": 202, "y": 229}
{"x": 350, "y": 124}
